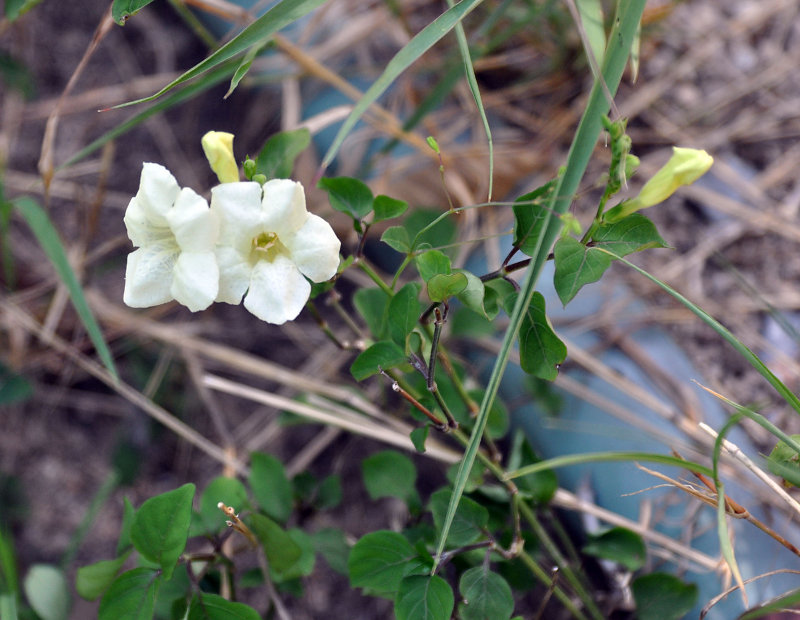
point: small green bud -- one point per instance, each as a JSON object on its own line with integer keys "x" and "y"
{"x": 249, "y": 166}
{"x": 571, "y": 225}
{"x": 631, "y": 164}
{"x": 433, "y": 144}
{"x": 260, "y": 178}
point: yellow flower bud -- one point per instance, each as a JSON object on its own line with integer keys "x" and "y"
{"x": 218, "y": 147}
{"x": 683, "y": 168}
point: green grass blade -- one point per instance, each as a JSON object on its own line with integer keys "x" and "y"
{"x": 48, "y": 238}
{"x": 737, "y": 344}
{"x": 209, "y": 81}
{"x": 469, "y": 71}
{"x": 278, "y": 17}
{"x": 605, "y": 457}
{"x": 415, "y": 48}
{"x": 620, "y": 40}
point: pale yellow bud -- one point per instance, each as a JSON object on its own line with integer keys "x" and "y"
{"x": 218, "y": 147}
{"x": 683, "y": 168}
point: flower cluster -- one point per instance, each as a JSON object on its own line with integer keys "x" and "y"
{"x": 254, "y": 241}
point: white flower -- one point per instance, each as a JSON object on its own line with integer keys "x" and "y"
{"x": 268, "y": 242}
{"x": 175, "y": 232}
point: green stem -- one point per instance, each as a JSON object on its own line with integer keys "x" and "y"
{"x": 547, "y": 580}
{"x": 367, "y": 268}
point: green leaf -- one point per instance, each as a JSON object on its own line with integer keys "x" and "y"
{"x": 270, "y": 485}
{"x": 429, "y": 226}
{"x": 530, "y": 216}
{"x": 389, "y": 474}
{"x": 278, "y": 17}
{"x": 473, "y": 295}
{"x": 424, "y": 597}
{"x": 281, "y": 549}
{"x": 418, "y": 437}
{"x": 93, "y": 580}
{"x": 371, "y": 305}
{"x": 660, "y": 596}
{"x": 541, "y": 352}
{"x": 402, "y": 313}
{"x": 16, "y": 8}
{"x": 380, "y": 560}
{"x": 431, "y": 263}
{"x": 161, "y": 526}
{"x": 576, "y": 265}
{"x": 415, "y": 48}
{"x": 14, "y": 388}
{"x": 128, "y": 513}
{"x": 121, "y": 10}
{"x": 469, "y": 519}
{"x": 48, "y": 238}
{"x": 443, "y": 286}
{"x": 332, "y": 545}
{"x": 209, "y": 606}
{"x": 329, "y": 493}
{"x": 540, "y": 486}
{"x": 787, "y": 600}
{"x": 132, "y": 596}
{"x": 243, "y": 68}
{"x": 591, "y": 12}
{"x": 630, "y": 234}
{"x": 303, "y": 565}
{"x": 784, "y": 461}
{"x": 348, "y": 195}
{"x": 487, "y": 596}
{"x": 381, "y": 355}
{"x": 277, "y": 156}
{"x": 386, "y": 208}
{"x": 46, "y": 589}
{"x": 396, "y": 237}
{"x": 620, "y": 545}
{"x": 229, "y": 491}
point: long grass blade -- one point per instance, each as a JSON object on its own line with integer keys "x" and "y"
{"x": 277, "y": 18}
{"x": 48, "y": 238}
{"x": 472, "y": 81}
{"x": 737, "y": 344}
{"x": 415, "y": 48}
{"x": 616, "y": 56}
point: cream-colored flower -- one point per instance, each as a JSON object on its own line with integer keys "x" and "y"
{"x": 684, "y": 168}
{"x": 268, "y": 245}
{"x": 175, "y": 233}
{"x": 218, "y": 148}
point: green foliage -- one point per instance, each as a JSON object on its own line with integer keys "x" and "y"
{"x": 161, "y": 527}
{"x": 349, "y": 196}
{"x": 371, "y": 304}
{"x": 389, "y": 474}
{"x": 132, "y": 596}
{"x": 48, "y": 238}
{"x": 620, "y": 545}
{"x": 470, "y": 518}
{"x": 332, "y": 545}
{"x": 14, "y": 388}
{"x": 206, "y": 606}
{"x": 530, "y": 216}
{"x": 660, "y": 596}
{"x": 396, "y": 237}
{"x": 402, "y": 313}
{"x": 46, "y": 590}
{"x": 539, "y": 486}
{"x": 443, "y": 286}
{"x": 541, "y": 352}
{"x": 486, "y": 595}
{"x": 122, "y": 10}
{"x": 93, "y": 580}
{"x": 784, "y": 461}
{"x": 424, "y": 597}
{"x": 270, "y": 486}
{"x": 229, "y": 491}
{"x": 277, "y": 156}
{"x": 17, "y": 8}
{"x": 387, "y": 208}
{"x": 283, "y": 552}
{"x": 383, "y": 355}
{"x": 379, "y": 561}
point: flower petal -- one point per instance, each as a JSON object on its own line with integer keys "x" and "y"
{"x": 218, "y": 148}
{"x": 195, "y": 280}
{"x": 158, "y": 190}
{"x": 283, "y": 208}
{"x": 238, "y": 207}
{"x": 277, "y": 292}
{"x": 148, "y": 275}
{"x": 195, "y": 227}
{"x": 314, "y": 249}
{"x": 234, "y": 274}
{"x": 140, "y": 228}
